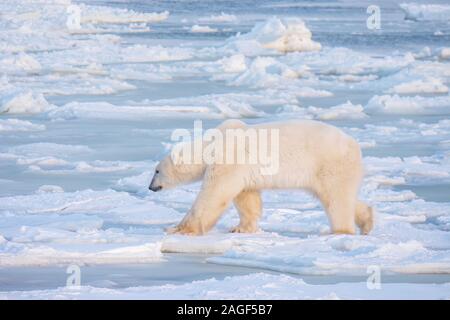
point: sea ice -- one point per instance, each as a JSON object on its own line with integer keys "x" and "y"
{"x": 221, "y": 18}
{"x": 14, "y": 125}
{"x": 202, "y": 29}
{"x": 415, "y": 11}
{"x": 253, "y": 286}
{"x": 395, "y": 104}
{"x": 23, "y": 102}
{"x": 282, "y": 35}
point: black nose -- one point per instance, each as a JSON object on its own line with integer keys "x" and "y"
{"x": 154, "y": 189}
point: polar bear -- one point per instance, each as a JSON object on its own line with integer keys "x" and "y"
{"x": 312, "y": 156}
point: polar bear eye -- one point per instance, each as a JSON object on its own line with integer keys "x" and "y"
{"x": 157, "y": 171}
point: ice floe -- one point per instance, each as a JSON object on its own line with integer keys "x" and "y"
{"x": 98, "y": 15}
{"x": 395, "y": 104}
{"x": 49, "y": 234}
{"x": 220, "y": 18}
{"x": 274, "y": 69}
{"x": 445, "y": 53}
{"x": 346, "y": 110}
{"x": 281, "y": 35}
{"x": 18, "y": 101}
{"x": 105, "y": 110}
{"x": 431, "y": 85}
{"x": 233, "y": 64}
{"x": 14, "y": 125}
{"x": 202, "y": 29}
{"x": 253, "y": 286}
{"x": 415, "y": 11}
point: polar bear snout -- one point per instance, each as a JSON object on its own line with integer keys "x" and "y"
{"x": 154, "y": 189}
{"x": 154, "y": 185}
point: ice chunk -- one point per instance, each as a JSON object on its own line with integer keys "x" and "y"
{"x": 409, "y": 105}
{"x": 202, "y": 29}
{"x": 430, "y": 85}
{"x": 144, "y": 53}
{"x": 264, "y": 72}
{"x": 105, "y": 110}
{"x": 49, "y": 189}
{"x": 48, "y": 149}
{"x": 7, "y": 125}
{"x": 20, "y": 62}
{"x": 282, "y": 35}
{"x": 337, "y": 255}
{"x": 222, "y": 17}
{"x": 23, "y": 101}
{"x": 103, "y": 14}
{"x": 235, "y": 109}
{"x": 45, "y": 255}
{"x": 135, "y": 184}
{"x": 445, "y": 53}
{"x": 343, "y": 111}
{"x": 415, "y": 11}
{"x": 233, "y": 64}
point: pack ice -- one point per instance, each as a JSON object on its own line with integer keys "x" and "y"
{"x": 87, "y": 110}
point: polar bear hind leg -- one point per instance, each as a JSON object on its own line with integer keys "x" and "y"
{"x": 340, "y": 208}
{"x": 249, "y": 206}
{"x": 364, "y": 217}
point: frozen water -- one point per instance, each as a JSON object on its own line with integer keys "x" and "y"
{"x": 87, "y": 110}
{"x": 254, "y": 286}
{"x": 415, "y": 11}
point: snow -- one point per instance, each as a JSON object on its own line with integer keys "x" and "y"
{"x": 49, "y": 188}
{"x": 431, "y": 85}
{"x": 233, "y": 64}
{"x": 343, "y": 111}
{"x": 264, "y": 72}
{"x": 8, "y": 125}
{"x": 21, "y": 61}
{"x": 48, "y": 149}
{"x": 202, "y": 29}
{"x": 105, "y": 110}
{"x": 395, "y": 104}
{"x": 346, "y": 110}
{"x": 220, "y": 18}
{"x": 87, "y": 111}
{"x": 23, "y": 102}
{"x": 445, "y": 53}
{"x": 98, "y": 15}
{"x": 282, "y": 35}
{"x": 255, "y": 286}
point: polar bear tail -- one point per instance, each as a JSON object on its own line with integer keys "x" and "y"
{"x": 364, "y": 217}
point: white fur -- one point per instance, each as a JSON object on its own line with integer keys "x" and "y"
{"x": 313, "y": 156}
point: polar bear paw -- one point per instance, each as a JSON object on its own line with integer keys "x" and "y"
{"x": 244, "y": 229}
{"x": 184, "y": 230}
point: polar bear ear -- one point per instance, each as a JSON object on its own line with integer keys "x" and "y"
{"x": 175, "y": 155}
{"x": 232, "y": 124}
{"x": 180, "y": 153}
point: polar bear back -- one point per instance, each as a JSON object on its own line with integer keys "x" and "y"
{"x": 305, "y": 148}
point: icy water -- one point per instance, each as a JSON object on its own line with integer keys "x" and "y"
{"x": 87, "y": 113}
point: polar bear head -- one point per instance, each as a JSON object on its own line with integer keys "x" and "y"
{"x": 169, "y": 174}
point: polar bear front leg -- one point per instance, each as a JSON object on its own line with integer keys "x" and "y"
{"x": 249, "y": 205}
{"x": 217, "y": 192}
